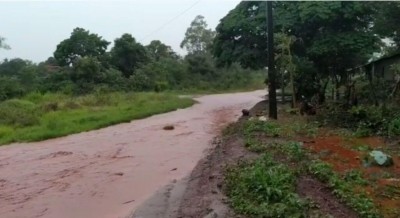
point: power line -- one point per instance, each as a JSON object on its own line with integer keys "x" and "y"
{"x": 170, "y": 21}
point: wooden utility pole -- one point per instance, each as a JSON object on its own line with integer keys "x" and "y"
{"x": 273, "y": 111}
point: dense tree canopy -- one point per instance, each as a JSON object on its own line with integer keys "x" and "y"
{"x": 241, "y": 36}
{"x": 334, "y": 36}
{"x": 127, "y": 54}
{"x": 158, "y": 50}
{"x": 338, "y": 28}
{"x": 81, "y": 43}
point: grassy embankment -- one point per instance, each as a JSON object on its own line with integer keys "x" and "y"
{"x": 42, "y": 116}
{"x": 292, "y": 149}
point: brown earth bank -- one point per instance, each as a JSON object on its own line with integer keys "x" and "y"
{"x": 108, "y": 173}
{"x": 202, "y": 193}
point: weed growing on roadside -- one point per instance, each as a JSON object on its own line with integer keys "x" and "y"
{"x": 355, "y": 177}
{"x": 268, "y": 128}
{"x": 264, "y": 188}
{"x": 294, "y": 150}
{"x": 344, "y": 189}
{"x": 254, "y": 145}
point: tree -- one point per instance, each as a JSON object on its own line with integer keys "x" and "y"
{"x": 11, "y": 68}
{"x": 158, "y": 50}
{"x": 241, "y": 36}
{"x": 334, "y": 36}
{"x": 2, "y": 44}
{"x": 387, "y": 21}
{"x": 23, "y": 76}
{"x": 80, "y": 44}
{"x": 199, "y": 64}
{"x": 10, "y": 88}
{"x": 127, "y": 54}
{"x": 345, "y": 41}
{"x": 198, "y": 39}
{"x": 86, "y": 73}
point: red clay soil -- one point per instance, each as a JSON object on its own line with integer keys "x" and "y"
{"x": 343, "y": 156}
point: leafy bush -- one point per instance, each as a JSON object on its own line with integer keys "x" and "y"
{"x": 264, "y": 189}
{"x": 321, "y": 170}
{"x": 10, "y": 88}
{"x": 294, "y": 150}
{"x": 355, "y": 176}
{"x": 394, "y": 127}
{"x": 140, "y": 82}
{"x": 18, "y": 113}
{"x": 267, "y": 127}
{"x": 365, "y": 120}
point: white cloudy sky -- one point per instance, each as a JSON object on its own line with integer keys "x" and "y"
{"x": 34, "y": 28}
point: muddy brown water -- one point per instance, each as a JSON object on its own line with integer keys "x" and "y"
{"x": 109, "y": 172}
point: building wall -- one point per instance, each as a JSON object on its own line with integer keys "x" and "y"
{"x": 383, "y": 68}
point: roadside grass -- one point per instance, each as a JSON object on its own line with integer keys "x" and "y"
{"x": 266, "y": 187}
{"x": 344, "y": 187}
{"x": 42, "y": 116}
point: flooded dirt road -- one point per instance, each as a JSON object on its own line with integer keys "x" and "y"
{"x": 107, "y": 173}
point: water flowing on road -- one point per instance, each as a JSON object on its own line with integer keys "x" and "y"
{"x": 107, "y": 173}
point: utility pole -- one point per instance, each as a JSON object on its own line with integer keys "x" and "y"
{"x": 273, "y": 111}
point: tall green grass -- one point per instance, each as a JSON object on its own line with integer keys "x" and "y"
{"x": 54, "y": 115}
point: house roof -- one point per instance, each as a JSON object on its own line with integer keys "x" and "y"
{"x": 396, "y": 55}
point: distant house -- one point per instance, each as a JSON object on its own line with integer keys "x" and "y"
{"x": 382, "y": 68}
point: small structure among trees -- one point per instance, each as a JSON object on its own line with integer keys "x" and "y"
{"x": 383, "y": 67}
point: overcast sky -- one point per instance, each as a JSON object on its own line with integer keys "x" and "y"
{"x": 34, "y": 28}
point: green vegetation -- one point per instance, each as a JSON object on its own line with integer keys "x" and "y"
{"x": 363, "y": 120}
{"x": 86, "y": 85}
{"x": 82, "y": 65}
{"x": 269, "y": 128}
{"x": 37, "y": 117}
{"x": 264, "y": 188}
{"x": 322, "y": 65}
{"x": 344, "y": 188}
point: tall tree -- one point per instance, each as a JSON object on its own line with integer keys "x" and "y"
{"x": 80, "y": 44}
{"x": 242, "y": 37}
{"x": 2, "y": 44}
{"x": 157, "y": 50}
{"x": 127, "y": 54}
{"x": 198, "y": 38}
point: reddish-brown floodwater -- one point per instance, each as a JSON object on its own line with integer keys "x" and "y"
{"x": 107, "y": 173}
